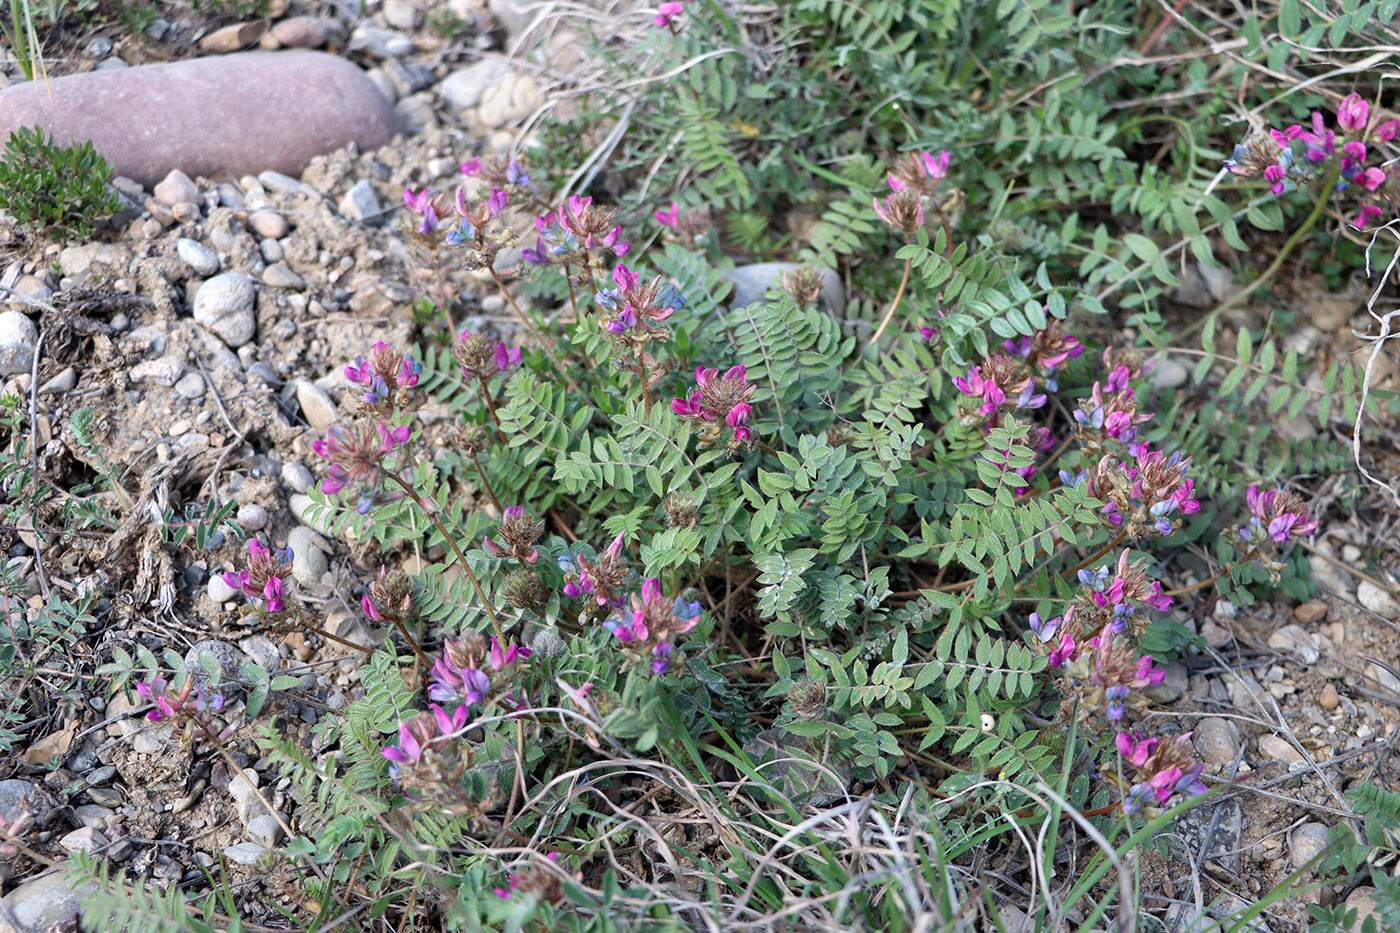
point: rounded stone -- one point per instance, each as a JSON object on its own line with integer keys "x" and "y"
{"x": 219, "y": 591}
{"x": 1217, "y": 740}
{"x": 279, "y": 276}
{"x": 296, "y": 476}
{"x": 308, "y": 561}
{"x": 225, "y": 655}
{"x": 752, "y": 282}
{"x": 44, "y": 902}
{"x": 268, "y": 224}
{"x": 253, "y": 517}
{"x": 197, "y": 256}
{"x": 302, "y": 32}
{"x": 18, "y": 337}
{"x": 237, "y": 114}
{"x": 1276, "y": 748}
{"x": 1306, "y": 842}
{"x": 316, "y": 405}
{"x": 1377, "y": 600}
{"x": 190, "y": 386}
{"x": 224, "y": 304}
{"x": 462, "y": 89}
{"x": 175, "y": 188}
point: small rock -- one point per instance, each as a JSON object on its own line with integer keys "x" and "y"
{"x": 380, "y": 79}
{"x": 44, "y": 903}
{"x": 316, "y": 405}
{"x": 75, "y": 260}
{"x": 84, "y": 840}
{"x": 272, "y": 252}
{"x": 1306, "y": 842}
{"x": 1363, "y": 901}
{"x": 296, "y": 476}
{"x": 1217, "y": 740}
{"x": 279, "y": 181}
{"x": 18, "y": 796}
{"x": 262, "y": 651}
{"x": 63, "y": 382}
{"x": 417, "y": 112}
{"x": 177, "y": 188}
{"x": 408, "y": 78}
{"x": 302, "y": 32}
{"x": 1245, "y": 692}
{"x": 185, "y": 213}
{"x": 752, "y": 282}
{"x": 197, "y": 256}
{"x": 233, "y": 38}
{"x": 1384, "y": 677}
{"x": 279, "y": 276}
{"x": 1311, "y": 611}
{"x": 90, "y": 814}
{"x": 509, "y": 102}
{"x": 244, "y": 853}
{"x": 380, "y": 43}
{"x": 1377, "y": 600}
{"x": 1328, "y": 698}
{"x": 99, "y": 47}
{"x": 1168, "y": 374}
{"x": 462, "y": 89}
{"x": 191, "y": 386}
{"x": 224, "y": 304}
{"x": 302, "y": 507}
{"x": 265, "y": 831}
{"x": 1293, "y": 639}
{"x": 164, "y": 371}
{"x": 1327, "y": 575}
{"x": 360, "y": 203}
{"x": 402, "y": 14}
{"x": 309, "y": 562}
{"x": 1274, "y": 748}
{"x": 219, "y": 591}
{"x": 1172, "y": 687}
{"x": 226, "y": 657}
{"x": 1351, "y": 553}
{"x": 18, "y": 337}
{"x": 268, "y": 223}
{"x": 252, "y": 516}
{"x": 1215, "y": 635}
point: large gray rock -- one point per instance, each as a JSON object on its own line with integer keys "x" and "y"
{"x": 752, "y": 282}
{"x": 39, "y": 904}
{"x": 216, "y": 116}
{"x": 18, "y": 337}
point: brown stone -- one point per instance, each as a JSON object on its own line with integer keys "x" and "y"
{"x": 1310, "y": 611}
{"x": 1329, "y": 698}
{"x": 302, "y": 32}
{"x": 233, "y": 38}
{"x": 227, "y": 116}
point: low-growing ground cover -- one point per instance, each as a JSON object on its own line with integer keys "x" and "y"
{"x": 924, "y": 465}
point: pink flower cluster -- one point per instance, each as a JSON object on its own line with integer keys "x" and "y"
{"x": 356, "y": 455}
{"x": 169, "y": 705}
{"x": 668, "y": 11}
{"x": 649, "y": 627}
{"x": 602, "y": 579}
{"x": 720, "y": 399}
{"x": 263, "y": 578}
{"x": 383, "y": 374}
{"x": 458, "y": 678}
{"x": 1164, "y": 770}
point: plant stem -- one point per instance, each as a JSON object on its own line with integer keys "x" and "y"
{"x": 569, "y": 281}
{"x": 461, "y": 558}
{"x": 490, "y": 405}
{"x": 1100, "y": 553}
{"x": 413, "y": 643}
{"x": 544, "y": 345}
{"x": 486, "y": 483}
{"x": 898, "y": 296}
{"x": 646, "y": 393}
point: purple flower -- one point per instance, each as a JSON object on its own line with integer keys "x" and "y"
{"x": 667, "y": 12}
{"x": 669, "y": 218}
{"x": 1352, "y": 113}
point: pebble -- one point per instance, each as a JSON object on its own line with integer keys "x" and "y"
{"x": 402, "y": 14}
{"x": 509, "y": 102}
{"x": 219, "y": 591}
{"x": 268, "y": 224}
{"x": 1295, "y": 640}
{"x": 279, "y": 276}
{"x": 243, "y": 790}
{"x": 252, "y": 516}
{"x": 1215, "y": 635}
{"x": 226, "y": 656}
{"x": 99, "y": 47}
{"x": 18, "y": 337}
{"x": 1363, "y": 901}
{"x": 360, "y": 203}
{"x": 215, "y": 116}
{"x": 462, "y": 89}
{"x": 1377, "y": 600}
{"x": 1245, "y": 692}
{"x": 1216, "y": 740}
{"x": 233, "y": 38}
{"x": 73, "y": 261}
{"x": 44, "y": 903}
{"x": 302, "y": 507}
{"x": 90, "y": 814}
{"x": 1275, "y": 748}
{"x": 191, "y": 386}
{"x": 408, "y": 78}
{"x": 1351, "y": 553}
{"x": 244, "y": 853}
{"x": 302, "y": 32}
{"x": 296, "y": 477}
{"x": 279, "y": 181}
{"x": 1168, "y": 374}
{"x": 271, "y": 251}
{"x": 386, "y": 86}
{"x": 63, "y": 382}
{"x": 17, "y": 796}
{"x": 1313, "y": 610}
{"x": 163, "y": 371}
{"x": 1172, "y": 687}
{"x": 262, "y": 651}
{"x": 316, "y": 405}
{"x": 1328, "y": 576}
{"x": 84, "y": 840}
{"x": 309, "y": 562}
{"x": 380, "y": 43}
{"x": 264, "y": 831}
{"x": 177, "y": 188}
{"x": 752, "y": 282}
{"x": 1328, "y": 697}
{"x": 417, "y": 112}
{"x": 197, "y": 256}
{"x": 1306, "y": 842}
{"x": 224, "y": 304}
{"x": 1385, "y": 678}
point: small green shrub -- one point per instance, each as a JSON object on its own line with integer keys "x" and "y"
{"x": 58, "y": 190}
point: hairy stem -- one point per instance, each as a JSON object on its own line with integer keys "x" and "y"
{"x": 461, "y": 558}
{"x": 646, "y": 392}
{"x": 490, "y": 405}
{"x": 525, "y": 318}
{"x": 486, "y": 483}
{"x": 898, "y": 296}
